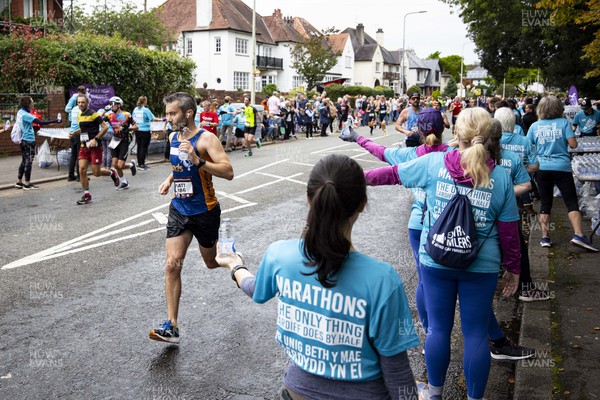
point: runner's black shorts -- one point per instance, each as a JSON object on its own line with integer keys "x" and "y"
{"x": 121, "y": 151}
{"x": 250, "y": 130}
{"x": 239, "y": 133}
{"x": 205, "y": 226}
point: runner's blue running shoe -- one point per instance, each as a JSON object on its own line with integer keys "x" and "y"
{"x": 166, "y": 333}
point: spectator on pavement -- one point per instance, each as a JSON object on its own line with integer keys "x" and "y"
{"x": 25, "y": 121}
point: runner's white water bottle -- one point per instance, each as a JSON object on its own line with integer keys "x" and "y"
{"x": 183, "y": 155}
{"x": 59, "y": 117}
{"x": 7, "y": 125}
{"x": 226, "y": 239}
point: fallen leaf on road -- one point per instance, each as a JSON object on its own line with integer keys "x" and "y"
{"x": 577, "y": 346}
{"x": 589, "y": 309}
{"x": 511, "y": 381}
{"x": 561, "y": 370}
{"x": 567, "y": 392}
{"x": 597, "y": 328}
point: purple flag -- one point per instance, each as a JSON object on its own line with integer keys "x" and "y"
{"x": 573, "y": 96}
{"x": 98, "y": 94}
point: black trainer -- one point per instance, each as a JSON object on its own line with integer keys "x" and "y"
{"x": 510, "y": 351}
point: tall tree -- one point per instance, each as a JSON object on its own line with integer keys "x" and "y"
{"x": 312, "y": 58}
{"x": 143, "y": 28}
{"x": 586, "y": 14}
{"x": 451, "y": 88}
{"x": 522, "y": 34}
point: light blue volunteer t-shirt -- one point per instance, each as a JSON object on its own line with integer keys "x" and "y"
{"x": 587, "y": 123}
{"x": 338, "y": 332}
{"x": 520, "y": 145}
{"x": 496, "y": 202}
{"x": 519, "y": 131}
{"x": 514, "y": 166}
{"x": 395, "y": 156}
{"x": 74, "y": 118}
{"x": 26, "y": 125}
{"x": 549, "y": 136}
{"x": 227, "y": 117}
{"x": 240, "y": 121}
{"x": 142, "y": 117}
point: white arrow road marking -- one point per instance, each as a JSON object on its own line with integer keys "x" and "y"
{"x": 80, "y": 243}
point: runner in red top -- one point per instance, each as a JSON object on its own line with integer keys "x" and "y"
{"x": 455, "y": 108}
{"x": 209, "y": 119}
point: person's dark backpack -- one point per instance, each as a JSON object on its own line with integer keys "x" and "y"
{"x": 452, "y": 240}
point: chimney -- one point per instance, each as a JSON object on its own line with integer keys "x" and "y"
{"x": 379, "y": 37}
{"x": 203, "y": 12}
{"x": 277, "y": 13}
{"x": 360, "y": 34}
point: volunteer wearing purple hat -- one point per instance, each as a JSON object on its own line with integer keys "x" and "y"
{"x": 430, "y": 126}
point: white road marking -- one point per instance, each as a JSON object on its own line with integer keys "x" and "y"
{"x": 160, "y": 218}
{"x": 238, "y": 207}
{"x": 232, "y": 197}
{"x": 78, "y": 244}
{"x": 261, "y": 168}
{"x": 51, "y": 256}
{"x": 280, "y": 179}
{"x": 300, "y": 163}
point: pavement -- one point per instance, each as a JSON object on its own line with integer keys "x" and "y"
{"x": 565, "y": 330}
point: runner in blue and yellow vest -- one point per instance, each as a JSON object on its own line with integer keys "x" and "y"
{"x": 196, "y": 156}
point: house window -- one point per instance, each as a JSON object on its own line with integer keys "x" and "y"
{"x": 189, "y": 46}
{"x": 241, "y": 80}
{"x": 397, "y": 69}
{"x": 348, "y": 62}
{"x": 269, "y": 80}
{"x": 437, "y": 76}
{"x": 218, "y": 45}
{"x": 296, "y": 81}
{"x": 27, "y": 8}
{"x": 377, "y": 67}
{"x": 267, "y": 51}
{"x": 395, "y": 87}
{"x": 241, "y": 46}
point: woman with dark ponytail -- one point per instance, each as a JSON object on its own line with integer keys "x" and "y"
{"x": 347, "y": 305}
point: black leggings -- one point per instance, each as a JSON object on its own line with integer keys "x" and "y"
{"x": 75, "y": 145}
{"x": 324, "y": 129}
{"x": 309, "y": 130}
{"x": 142, "y": 139}
{"x": 564, "y": 181}
{"x": 28, "y": 154}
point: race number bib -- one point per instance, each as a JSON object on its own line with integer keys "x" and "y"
{"x": 114, "y": 142}
{"x": 183, "y": 188}
{"x": 84, "y": 137}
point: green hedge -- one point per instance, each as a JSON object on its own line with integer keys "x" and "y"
{"x": 334, "y": 91}
{"x": 71, "y": 60}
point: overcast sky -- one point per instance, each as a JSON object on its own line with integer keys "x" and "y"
{"x": 435, "y": 30}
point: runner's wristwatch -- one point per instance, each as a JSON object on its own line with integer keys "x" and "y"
{"x": 201, "y": 163}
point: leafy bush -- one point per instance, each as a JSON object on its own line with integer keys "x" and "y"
{"x": 412, "y": 89}
{"x": 269, "y": 89}
{"x": 71, "y": 60}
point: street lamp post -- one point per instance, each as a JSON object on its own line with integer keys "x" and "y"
{"x": 404, "y": 46}
{"x": 462, "y": 60}
{"x": 252, "y": 75}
